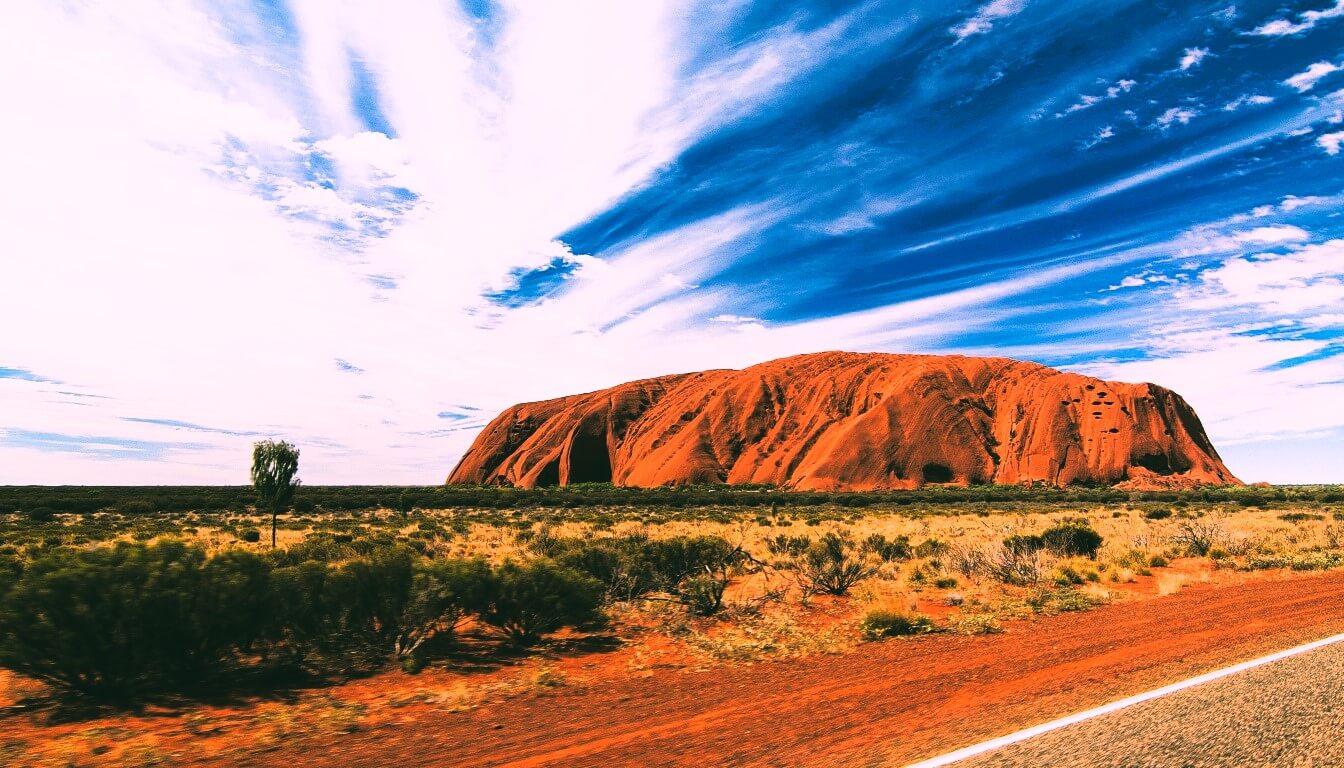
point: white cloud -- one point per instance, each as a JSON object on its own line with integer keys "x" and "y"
{"x": 1083, "y": 102}
{"x": 1251, "y": 99}
{"x": 983, "y": 20}
{"x": 1307, "y": 278}
{"x": 1180, "y": 115}
{"x": 1102, "y": 134}
{"x": 1130, "y": 281}
{"x": 1087, "y": 101}
{"x": 1331, "y": 142}
{"x": 1309, "y": 19}
{"x": 1306, "y": 79}
{"x": 1293, "y": 202}
{"x": 1192, "y": 57}
{"x": 1121, "y": 86}
{"x": 1221, "y": 237}
{"x": 1284, "y": 233}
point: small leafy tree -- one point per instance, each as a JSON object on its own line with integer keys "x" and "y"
{"x": 274, "y": 466}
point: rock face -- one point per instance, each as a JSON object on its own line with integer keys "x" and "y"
{"x": 845, "y": 421}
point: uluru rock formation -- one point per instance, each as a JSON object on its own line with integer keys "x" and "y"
{"x": 846, "y": 421}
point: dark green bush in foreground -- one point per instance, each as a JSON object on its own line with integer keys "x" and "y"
{"x": 692, "y": 570}
{"x": 1074, "y": 538}
{"x": 540, "y": 596}
{"x": 117, "y": 622}
{"x": 111, "y": 620}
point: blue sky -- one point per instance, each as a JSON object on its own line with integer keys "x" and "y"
{"x": 368, "y": 228}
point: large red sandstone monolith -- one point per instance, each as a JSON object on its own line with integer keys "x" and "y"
{"x": 846, "y": 421}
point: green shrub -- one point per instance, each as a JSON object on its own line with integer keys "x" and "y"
{"x": 374, "y": 592}
{"x": 541, "y": 596}
{"x": 1300, "y": 517}
{"x": 702, "y": 594}
{"x": 888, "y": 550}
{"x": 1067, "y": 575}
{"x": 1157, "y": 514}
{"x": 831, "y": 566}
{"x": 1199, "y": 537}
{"x": 320, "y": 547}
{"x": 1157, "y": 561}
{"x": 42, "y": 514}
{"x": 877, "y": 624}
{"x": 234, "y": 603}
{"x": 946, "y": 582}
{"x": 1072, "y": 539}
{"x": 11, "y": 568}
{"x": 443, "y": 593}
{"x": 931, "y": 548}
{"x": 115, "y": 620}
{"x": 694, "y": 569}
{"x": 787, "y": 546}
{"x": 251, "y": 536}
{"x": 1022, "y": 544}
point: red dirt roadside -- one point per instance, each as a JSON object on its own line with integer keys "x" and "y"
{"x": 885, "y": 704}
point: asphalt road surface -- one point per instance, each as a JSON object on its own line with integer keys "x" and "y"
{"x": 1286, "y": 713}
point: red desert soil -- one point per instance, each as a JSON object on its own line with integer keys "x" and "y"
{"x": 848, "y": 421}
{"x": 886, "y": 703}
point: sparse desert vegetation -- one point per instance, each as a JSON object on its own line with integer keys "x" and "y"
{"x": 467, "y": 604}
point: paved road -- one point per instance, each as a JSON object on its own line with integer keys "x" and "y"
{"x": 1286, "y": 713}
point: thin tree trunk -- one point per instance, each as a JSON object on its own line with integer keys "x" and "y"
{"x": 273, "y": 516}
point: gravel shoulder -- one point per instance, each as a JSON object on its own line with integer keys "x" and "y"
{"x": 1287, "y": 713}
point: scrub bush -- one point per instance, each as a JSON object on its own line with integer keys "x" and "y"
{"x": 531, "y": 599}
{"x": 1072, "y": 539}
{"x": 880, "y": 623}
{"x": 832, "y": 566}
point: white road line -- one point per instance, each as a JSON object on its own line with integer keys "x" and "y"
{"x": 1013, "y": 738}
